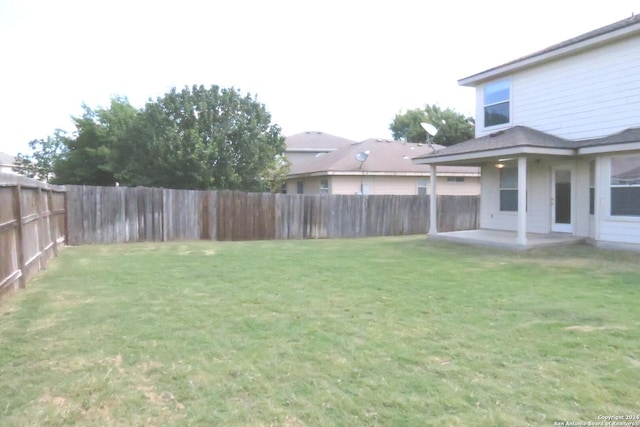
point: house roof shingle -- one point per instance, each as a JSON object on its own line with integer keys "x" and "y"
{"x": 384, "y": 157}
{"x": 517, "y": 136}
{"x": 314, "y": 140}
{"x": 523, "y": 136}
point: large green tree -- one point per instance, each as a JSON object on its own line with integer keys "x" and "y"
{"x": 89, "y": 156}
{"x": 195, "y": 138}
{"x": 45, "y": 153}
{"x": 452, "y": 126}
{"x": 203, "y": 138}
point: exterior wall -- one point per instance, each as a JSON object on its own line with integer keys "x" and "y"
{"x": 310, "y": 186}
{"x": 600, "y": 227}
{"x": 297, "y": 157}
{"x": 490, "y": 215}
{"x": 470, "y": 186}
{"x": 590, "y": 94}
{"x": 398, "y": 185}
{"x": 6, "y": 169}
{"x": 538, "y": 196}
{"x": 580, "y": 206}
{"x": 608, "y": 228}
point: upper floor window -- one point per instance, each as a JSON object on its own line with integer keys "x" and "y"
{"x": 496, "y": 102}
{"x": 625, "y": 185}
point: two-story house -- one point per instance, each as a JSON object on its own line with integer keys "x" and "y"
{"x": 558, "y": 141}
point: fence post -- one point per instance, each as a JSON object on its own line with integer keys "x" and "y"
{"x": 42, "y": 261}
{"x": 17, "y": 212}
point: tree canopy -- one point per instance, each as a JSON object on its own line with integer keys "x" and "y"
{"x": 452, "y": 126}
{"x": 194, "y": 138}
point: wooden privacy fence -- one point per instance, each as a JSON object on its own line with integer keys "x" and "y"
{"x": 119, "y": 214}
{"x": 32, "y": 226}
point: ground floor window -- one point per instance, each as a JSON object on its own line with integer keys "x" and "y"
{"x": 422, "y": 186}
{"x": 300, "y": 187}
{"x": 625, "y": 185}
{"x": 324, "y": 186}
{"x": 509, "y": 189}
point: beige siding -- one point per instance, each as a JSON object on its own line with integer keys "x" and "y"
{"x": 582, "y": 217}
{"x": 538, "y": 197}
{"x": 344, "y": 184}
{"x": 378, "y": 185}
{"x": 490, "y": 215}
{"x": 310, "y": 185}
{"x": 470, "y": 186}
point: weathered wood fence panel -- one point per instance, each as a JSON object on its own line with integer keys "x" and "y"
{"x": 118, "y": 214}
{"x": 32, "y": 226}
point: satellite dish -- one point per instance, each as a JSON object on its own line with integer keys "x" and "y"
{"x": 362, "y": 156}
{"x": 429, "y": 128}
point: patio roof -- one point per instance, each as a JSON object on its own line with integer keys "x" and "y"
{"x": 512, "y": 141}
{"x": 519, "y": 140}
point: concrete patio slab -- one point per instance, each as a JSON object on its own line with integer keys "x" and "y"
{"x": 506, "y": 239}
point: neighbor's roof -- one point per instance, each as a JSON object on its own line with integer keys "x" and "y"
{"x": 523, "y": 140}
{"x": 623, "y": 28}
{"x": 6, "y": 159}
{"x": 315, "y": 141}
{"x": 385, "y": 157}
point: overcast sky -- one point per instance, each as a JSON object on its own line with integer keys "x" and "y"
{"x": 344, "y": 67}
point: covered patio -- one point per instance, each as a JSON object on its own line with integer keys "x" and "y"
{"x": 500, "y": 239}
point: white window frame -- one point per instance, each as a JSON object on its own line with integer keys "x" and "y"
{"x": 422, "y": 185}
{"x": 324, "y": 186}
{"x": 508, "y": 188}
{"x": 498, "y": 83}
{"x": 612, "y": 186}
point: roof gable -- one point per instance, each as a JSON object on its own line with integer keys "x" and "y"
{"x": 624, "y": 28}
{"x": 6, "y": 159}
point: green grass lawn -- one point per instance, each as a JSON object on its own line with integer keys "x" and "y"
{"x": 380, "y": 332}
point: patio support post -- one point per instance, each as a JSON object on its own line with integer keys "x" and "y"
{"x": 522, "y": 201}
{"x": 433, "y": 200}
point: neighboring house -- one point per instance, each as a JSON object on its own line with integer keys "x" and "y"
{"x": 387, "y": 169}
{"x": 558, "y": 140}
{"x": 6, "y": 163}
